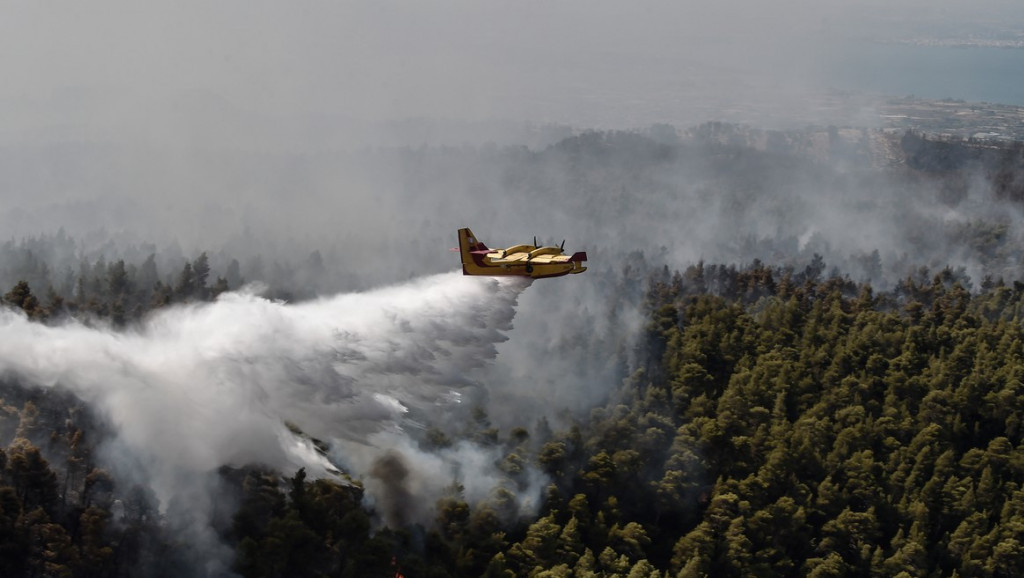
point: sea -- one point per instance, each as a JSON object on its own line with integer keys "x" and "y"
{"x": 784, "y": 90}
{"x": 989, "y": 74}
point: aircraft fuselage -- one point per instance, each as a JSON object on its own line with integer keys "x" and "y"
{"x": 518, "y": 260}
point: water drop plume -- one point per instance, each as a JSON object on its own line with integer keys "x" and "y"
{"x": 195, "y": 387}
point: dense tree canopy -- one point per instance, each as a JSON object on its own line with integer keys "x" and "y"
{"x": 785, "y": 423}
{"x": 774, "y": 420}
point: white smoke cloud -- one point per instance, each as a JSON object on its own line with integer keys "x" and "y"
{"x": 200, "y": 386}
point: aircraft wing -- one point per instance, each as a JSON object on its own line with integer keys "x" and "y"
{"x": 509, "y": 258}
{"x": 550, "y": 259}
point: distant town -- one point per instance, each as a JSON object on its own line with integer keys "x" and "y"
{"x": 946, "y": 119}
{"x": 953, "y": 119}
{"x": 1017, "y": 42}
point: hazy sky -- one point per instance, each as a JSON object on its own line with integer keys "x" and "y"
{"x": 114, "y": 112}
{"x": 160, "y": 70}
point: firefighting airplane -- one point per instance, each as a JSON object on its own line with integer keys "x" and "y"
{"x": 522, "y": 260}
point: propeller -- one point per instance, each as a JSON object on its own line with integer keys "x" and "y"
{"x": 562, "y": 246}
{"x": 535, "y": 240}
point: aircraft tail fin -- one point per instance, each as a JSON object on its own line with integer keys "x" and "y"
{"x": 469, "y": 242}
{"x": 579, "y": 262}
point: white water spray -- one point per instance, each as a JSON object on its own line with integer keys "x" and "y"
{"x": 201, "y": 386}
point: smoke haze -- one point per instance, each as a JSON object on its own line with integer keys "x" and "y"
{"x": 249, "y": 126}
{"x": 369, "y": 132}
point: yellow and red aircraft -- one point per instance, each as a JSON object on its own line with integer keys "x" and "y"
{"x": 522, "y": 260}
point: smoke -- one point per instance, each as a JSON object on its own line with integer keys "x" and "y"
{"x": 401, "y": 477}
{"x": 244, "y": 126}
{"x": 252, "y": 130}
{"x": 197, "y": 387}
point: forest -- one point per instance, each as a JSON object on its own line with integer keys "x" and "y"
{"x": 778, "y": 418}
{"x": 781, "y": 423}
